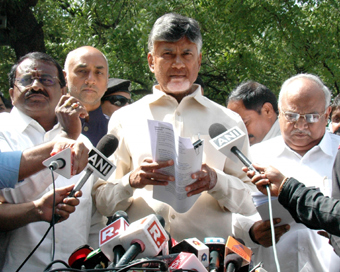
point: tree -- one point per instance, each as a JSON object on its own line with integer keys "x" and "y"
{"x": 267, "y": 41}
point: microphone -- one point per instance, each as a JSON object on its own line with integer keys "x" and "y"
{"x": 96, "y": 259}
{"x": 237, "y": 254}
{"x": 186, "y": 262}
{"x": 61, "y": 162}
{"x": 78, "y": 256}
{"x": 109, "y": 237}
{"x": 144, "y": 237}
{"x": 195, "y": 246}
{"x": 226, "y": 141}
{"x": 216, "y": 248}
{"x": 99, "y": 164}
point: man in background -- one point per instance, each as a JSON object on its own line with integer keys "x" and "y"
{"x": 87, "y": 73}
{"x": 257, "y": 106}
{"x": 118, "y": 95}
{"x": 334, "y": 117}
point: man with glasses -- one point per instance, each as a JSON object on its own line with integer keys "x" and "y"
{"x": 42, "y": 114}
{"x": 305, "y": 151}
{"x": 87, "y": 73}
{"x": 118, "y": 95}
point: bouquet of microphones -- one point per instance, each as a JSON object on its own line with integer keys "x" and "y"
{"x": 145, "y": 245}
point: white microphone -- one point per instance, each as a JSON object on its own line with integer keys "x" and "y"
{"x": 186, "y": 261}
{"x": 228, "y": 141}
{"x": 98, "y": 163}
{"x": 143, "y": 238}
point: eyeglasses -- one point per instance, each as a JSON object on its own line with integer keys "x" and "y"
{"x": 45, "y": 79}
{"x": 118, "y": 100}
{"x": 293, "y": 117}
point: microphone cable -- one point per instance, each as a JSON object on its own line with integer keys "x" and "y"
{"x": 51, "y": 226}
{"x": 272, "y": 229}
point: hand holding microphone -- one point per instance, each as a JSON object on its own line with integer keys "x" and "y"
{"x": 269, "y": 176}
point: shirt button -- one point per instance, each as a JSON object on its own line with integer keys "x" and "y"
{"x": 86, "y": 128}
{"x": 178, "y": 113}
{"x": 173, "y": 216}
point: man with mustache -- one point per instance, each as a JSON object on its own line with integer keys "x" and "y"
{"x": 174, "y": 57}
{"x": 257, "y": 106}
{"x": 41, "y": 114}
{"x": 87, "y": 74}
{"x": 305, "y": 151}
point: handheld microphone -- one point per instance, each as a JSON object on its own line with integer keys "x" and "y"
{"x": 109, "y": 237}
{"x": 61, "y": 162}
{"x": 195, "y": 246}
{"x": 99, "y": 164}
{"x": 216, "y": 248}
{"x": 144, "y": 237}
{"x": 78, "y": 256}
{"x": 236, "y": 254}
{"x": 186, "y": 261}
{"x": 226, "y": 141}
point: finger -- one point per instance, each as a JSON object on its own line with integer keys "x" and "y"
{"x": 323, "y": 233}
{"x": 79, "y": 158}
{"x": 150, "y": 166}
{"x": 197, "y": 187}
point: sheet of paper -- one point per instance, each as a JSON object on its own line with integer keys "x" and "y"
{"x": 261, "y": 203}
{"x": 187, "y": 159}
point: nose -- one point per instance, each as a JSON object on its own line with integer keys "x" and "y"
{"x": 36, "y": 84}
{"x": 91, "y": 79}
{"x": 301, "y": 123}
{"x": 178, "y": 62}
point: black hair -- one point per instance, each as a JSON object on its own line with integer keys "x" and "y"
{"x": 37, "y": 56}
{"x": 253, "y": 95}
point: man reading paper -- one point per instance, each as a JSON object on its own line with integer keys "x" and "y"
{"x": 175, "y": 59}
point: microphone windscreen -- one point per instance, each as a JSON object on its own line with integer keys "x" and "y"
{"x": 216, "y": 129}
{"x": 107, "y": 145}
{"x": 117, "y": 215}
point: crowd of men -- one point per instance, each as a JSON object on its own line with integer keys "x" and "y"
{"x": 74, "y": 107}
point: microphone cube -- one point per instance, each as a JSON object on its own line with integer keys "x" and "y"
{"x": 150, "y": 232}
{"x": 109, "y": 236}
{"x": 195, "y": 246}
{"x": 187, "y": 261}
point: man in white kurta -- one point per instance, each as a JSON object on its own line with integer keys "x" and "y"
{"x": 306, "y": 151}
{"x": 175, "y": 62}
{"x": 31, "y": 122}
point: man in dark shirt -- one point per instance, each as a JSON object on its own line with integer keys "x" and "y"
{"x": 87, "y": 74}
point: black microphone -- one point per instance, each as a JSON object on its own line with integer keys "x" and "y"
{"x": 228, "y": 140}
{"x": 233, "y": 262}
{"x": 57, "y": 164}
{"x": 98, "y": 162}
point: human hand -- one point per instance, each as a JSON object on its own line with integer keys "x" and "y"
{"x": 146, "y": 174}
{"x": 260, "y": 232}
{"x": 68, "y": 112}
{"x": 205, "y": 180}
{"x": 268, "y": 176}
{"x": 64, "y": 205}
{"x": 79, "y": 156}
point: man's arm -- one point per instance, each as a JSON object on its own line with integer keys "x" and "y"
{"x": 13, "y": 216}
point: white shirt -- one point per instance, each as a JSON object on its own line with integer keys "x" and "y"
{"x": 273, "y": 132}
{"x": 211, "y": 213}
{"x": 300, "y": 249}
{"x": 20, "y": 132}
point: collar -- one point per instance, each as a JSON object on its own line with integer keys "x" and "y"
{"x": 21, "y": 121}
{"x": 197, "y": 95}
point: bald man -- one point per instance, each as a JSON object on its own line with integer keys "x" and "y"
{"x": 87, "y": 74}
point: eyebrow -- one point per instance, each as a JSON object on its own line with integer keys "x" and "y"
{"x": 84, "y": 65}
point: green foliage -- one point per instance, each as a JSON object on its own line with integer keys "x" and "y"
{"x": 267, "y": 41}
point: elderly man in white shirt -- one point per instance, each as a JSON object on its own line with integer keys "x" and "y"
{"x": 305, "y": 151}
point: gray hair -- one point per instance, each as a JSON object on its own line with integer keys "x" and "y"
{"x": 172, "y": 27}
{"x": 312, "y": 77}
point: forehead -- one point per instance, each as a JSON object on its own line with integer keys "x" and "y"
{"x": 183, "y": 44}
{"x": 238, "y": 106}
{"x": 36, "y": 66}
{"x": 303, "y": 93}
{"x": 89, "y": 59}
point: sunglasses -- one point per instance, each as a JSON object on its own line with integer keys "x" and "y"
{"x": 118, "y": 100}
{"x": 45, "y": 79}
